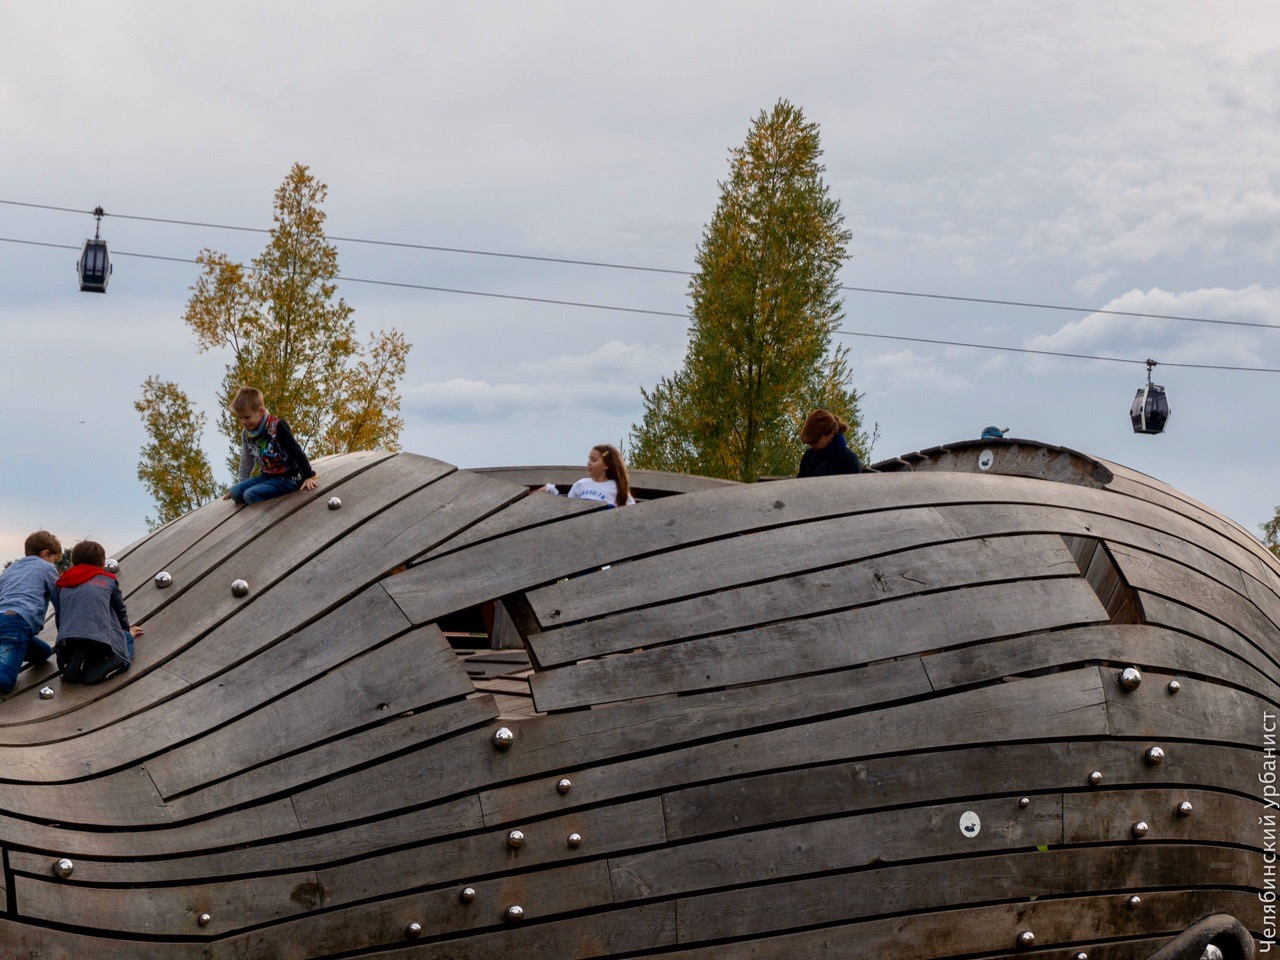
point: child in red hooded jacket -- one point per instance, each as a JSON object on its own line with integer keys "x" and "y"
{"x": 95, "y": 641}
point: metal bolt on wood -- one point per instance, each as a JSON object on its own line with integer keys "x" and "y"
{"x": 573, "y": 841}
{"x": 204, "y": 919}
{"x": 1026, "y": 939}
{"x": 1140, "y": 829}
{"x": 413, "y": 930}
{"x": 515, "y": 913}
{"x": 1095, "y": 778}
{"x": 1130, "y": 678}
{"x": 515, "y": 839}
{"x": 467, "y": 894}
{"x": 1024, "y": 802}
{"x": 46, "y": 693}
{"x": 1184, "y": 808}
{"x": 1135, "y": 901}
{"x": 1154, "y": 756}
{"x": 1174, "y": 686}
{"x": 503, "y": 738}
{"x": 64, "y": 868}
{"x": 565, "y": 785}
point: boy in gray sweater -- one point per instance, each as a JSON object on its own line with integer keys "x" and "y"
{"x": 25, "y": 591}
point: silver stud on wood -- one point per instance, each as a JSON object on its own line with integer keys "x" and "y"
{"x": 64, "y": 868}
{"x": 467, "y": 894}
{"x": 239, "y": 588}
{"x": 413, "y": 930}
{"x": 1174, "y": 686}
{"x": 573, "y": 841}
{"x": 1135, "y": 901}
{"x": 1026, "y": 939}
{"x": 335, "y": 503}
{"x": 503, "y": 738}
{"x": 1024, "y": 802}
{"x": 1154, "y": 757}
{"x": 515, "y": 913}
{"x": 46, "y": 693}
{"x": 1130, "y": 678}
{"x": 1095, "y": 778}
{"x": 111, "y": 566}
{"x": 204, "y": 919}
{"x": 565, "y": 785}
{"x": 1184, "y": 808}
{"x": 1140, "y": 829}
{"x": 1081, "y": 956}
{"x": 515, "y": 839}
{"x": 163, "y": 579}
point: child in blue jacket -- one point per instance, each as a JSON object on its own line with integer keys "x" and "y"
{"x": 25, "y": 591}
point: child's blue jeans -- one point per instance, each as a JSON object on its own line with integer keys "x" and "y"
{"x": 263, "y": 488}
{"x": 16, "y": 642}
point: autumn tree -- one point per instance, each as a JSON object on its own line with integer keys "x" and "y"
{"x": 1271, "y": 533}
{"x": 173, "y": 467}
{"x": 288, "y": 334}
{"x": 765, "y": 303}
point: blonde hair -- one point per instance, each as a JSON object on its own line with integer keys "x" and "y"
{"x": 247, "y": 400}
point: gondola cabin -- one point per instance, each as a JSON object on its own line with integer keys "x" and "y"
{"x": 94, "y": 266}
{"x": 1150, "y": 410}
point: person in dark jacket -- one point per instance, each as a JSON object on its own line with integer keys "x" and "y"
{"x": 828, "y": 454}
{"x": 95, "y": 641}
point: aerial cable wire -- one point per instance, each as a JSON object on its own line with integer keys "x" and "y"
{"x": 880, "y": 291}
{"x": 683, "y": 316}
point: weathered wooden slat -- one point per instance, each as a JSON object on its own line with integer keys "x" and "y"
{"x": 1142, "y": 644}
{"x": 842, "y": 843}
{"x": 121, "y": 799}
{"x": 247, "y": 902}
{"x": 849, "y": 638}
{"x": 168, "y": 911}
{"x": 751, "y": 911}
{"x": 1071, "y": 701}
{"x": 606, "y": 829}
{"x": 44, "y": 843}
{"x": 847, "y": 585}
{"x": 1110, "y": 816}
{"x": 531, "y": 511}
{"x": 621, "y": 932}
{"x": 1199, "y": 710}
{"x": 1177, "y": 582}
{"x": 1169, "y": 613}
{"x": 412, "y": 672}
{"x": 702, "y": 613}
{"x": 29, "y": 942}
{"x": 1036, "y": 771}
{"x": 371, "y": 617}
{"x": 727, "y": 563}
{"x": 334, "y": 759}
{"x": 1088, "y": 924}
{"x": 656, "y": 480}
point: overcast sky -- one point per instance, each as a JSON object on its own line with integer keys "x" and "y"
{"x": 1114, "y": 156}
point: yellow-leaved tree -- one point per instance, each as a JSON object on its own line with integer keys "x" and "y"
{"x": 287, "y": 334}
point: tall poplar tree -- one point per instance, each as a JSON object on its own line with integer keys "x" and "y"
{"x": 765, "y": 303}
{"x": 290, "y": 336}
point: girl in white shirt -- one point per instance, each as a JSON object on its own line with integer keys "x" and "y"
{"x": 606, "y": 480}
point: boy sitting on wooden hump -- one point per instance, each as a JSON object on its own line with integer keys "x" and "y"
{"x": 95, "y": 641}
{"x": 268, "y": 444}
{"x": 25, "y": 591}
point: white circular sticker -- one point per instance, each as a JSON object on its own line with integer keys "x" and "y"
{"x": 970, "y": 823}
{"x": 985, "y": 459}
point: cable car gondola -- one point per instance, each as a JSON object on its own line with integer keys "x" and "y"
{"x": 1150, "y": 408}
{"x": 94, "y": 265}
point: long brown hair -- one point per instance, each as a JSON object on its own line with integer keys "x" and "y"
{"x": 616, "y": 470}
